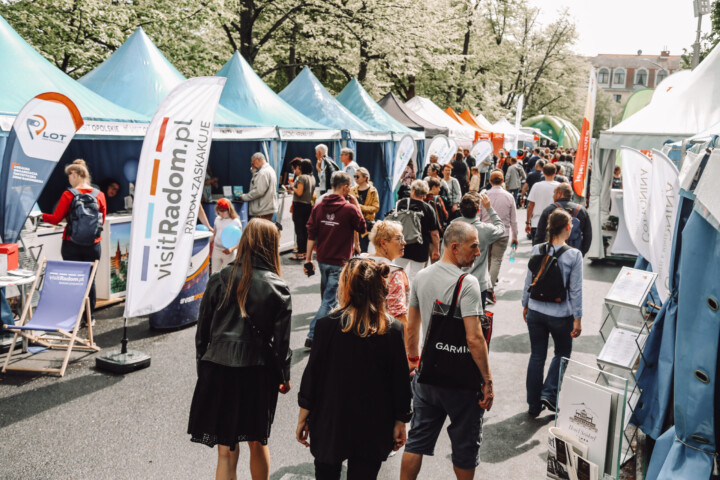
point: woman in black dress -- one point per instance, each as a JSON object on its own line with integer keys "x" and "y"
{"x": 242, "y": 344}
{"x": 355, "y": 395}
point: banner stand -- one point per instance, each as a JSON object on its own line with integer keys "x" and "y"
{"x": 124, "y": 361}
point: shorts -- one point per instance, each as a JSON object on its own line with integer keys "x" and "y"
{"x": 431, "y": 405}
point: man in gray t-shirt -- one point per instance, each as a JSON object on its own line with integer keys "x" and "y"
{"x": 431, "y": 403}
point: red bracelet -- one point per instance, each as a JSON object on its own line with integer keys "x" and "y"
{"x": 414, "y": 359}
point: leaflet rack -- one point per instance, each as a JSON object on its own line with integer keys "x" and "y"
{"x": 626, "y": 325}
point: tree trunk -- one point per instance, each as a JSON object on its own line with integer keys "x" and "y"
{"x": 245, "y": 30}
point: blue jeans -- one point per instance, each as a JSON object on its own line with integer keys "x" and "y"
{"x": 329, "y": 276}
{"x": 6, "y": 316}
{"x": 540, "y": 327}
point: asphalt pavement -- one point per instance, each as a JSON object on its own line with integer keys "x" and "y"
{"x": 91, "y": 424}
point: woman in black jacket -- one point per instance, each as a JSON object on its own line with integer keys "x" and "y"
{"x": 242, "y": 344}
{"x": 355, "y": 395}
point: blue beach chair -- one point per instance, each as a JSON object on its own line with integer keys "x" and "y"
{"x": 63, "y": 299}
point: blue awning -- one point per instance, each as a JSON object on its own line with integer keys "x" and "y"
{"x": 138, "y": 77}
{"x": 245, "y": 93}
{"x": 308, "y": 95}
{"x": 356, "y": 99}
{"x": 26, "y": 74}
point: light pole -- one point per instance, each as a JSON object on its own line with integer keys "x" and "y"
{"x": 700, "y": 7}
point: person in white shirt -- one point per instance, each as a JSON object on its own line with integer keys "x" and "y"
{"x": 226, "y": 216}
{"x": 351, "y": 166}
{"x": 541, "y": 195}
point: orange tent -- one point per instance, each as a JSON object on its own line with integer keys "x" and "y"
{"x": 497, "y": 138}
{"x": 479, "y": 132}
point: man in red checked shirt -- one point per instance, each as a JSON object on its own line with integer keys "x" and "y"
{"x": 79, "y": 179}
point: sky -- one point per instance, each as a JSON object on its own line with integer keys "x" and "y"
{"x": 626, "y": 26}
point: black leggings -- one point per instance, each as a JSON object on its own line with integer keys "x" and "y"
{"x": 73, "y": 251}
{"x": 358, "y": 469}
{"x": 300, "y": 216}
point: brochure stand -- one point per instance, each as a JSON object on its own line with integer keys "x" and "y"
{"x": 625, "y": 329}
{"x": 603, "y": 431}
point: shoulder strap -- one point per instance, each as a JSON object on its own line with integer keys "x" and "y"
{"x": 576, "y": 211}
{"x": 408, "y": 204}
{"x": 95, "y": 192}
{"x": 74, "y": 191}
{"x": 456, "y": 295}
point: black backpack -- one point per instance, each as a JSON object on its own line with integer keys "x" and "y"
{"x": 547, "y": 283}
{"x": 84, "y": 218}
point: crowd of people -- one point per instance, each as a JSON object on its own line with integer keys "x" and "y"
{"x": 436, "y": 257}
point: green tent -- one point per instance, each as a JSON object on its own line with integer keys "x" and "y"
{"x": 559, "y": 129}
{"x": 637, "y": 101}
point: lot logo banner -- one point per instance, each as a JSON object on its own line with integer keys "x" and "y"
{"x": 39, "y": 136}
{"x": 662, "y": 210}
{"x": 582, "y": 157}
{"x": 637, "y": 183}
{"x": 170, "y": 179}
{"x": 404, "y": 151}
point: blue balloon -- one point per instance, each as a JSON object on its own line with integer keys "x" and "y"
{"x": 230, "y": 236}
{"x": 130, "y": 170}
{"x": 201, "y": 228}
{"x": 513, "y": 153}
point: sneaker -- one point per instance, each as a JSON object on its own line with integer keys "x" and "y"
{"x": 534, "y": 413}
{"x": 83, "y": 324}
{"x": 308, "y": 342}
{"x": 548, "y": 404}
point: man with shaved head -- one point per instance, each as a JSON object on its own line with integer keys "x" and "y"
{"x": 431, "y": 403}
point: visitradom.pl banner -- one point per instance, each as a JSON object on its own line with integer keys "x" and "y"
{"x": 170, "y": 180}
{"x": 38, "y": 138}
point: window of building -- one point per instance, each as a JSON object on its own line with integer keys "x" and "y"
{"x": 641, "y": 77}
{"x": 619, "y": 78}
{"x": 661, "y": 75}
{"x": 617, "y": 98}
{"x": 603, "y": 76}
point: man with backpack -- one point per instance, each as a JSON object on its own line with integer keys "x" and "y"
{"x": 420, "y": 229}
{"x": 581, "y": 233}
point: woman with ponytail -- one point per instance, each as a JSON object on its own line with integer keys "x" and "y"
{"x": 355, "y": 396}
{"x": 561, "y": 319}
{"x": 243, "y": 355}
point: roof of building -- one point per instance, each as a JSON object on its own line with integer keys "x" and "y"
{"x": 670, "y": 62}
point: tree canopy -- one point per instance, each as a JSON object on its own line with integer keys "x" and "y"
{"x": 479, "y": 55}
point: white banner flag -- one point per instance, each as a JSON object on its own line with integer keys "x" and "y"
{"x": 637, "y": 178}
{"x": 481, "y": 150}
{"x": 450, "y": 153}
{"x": 518, "y": 119}
{"x": 662, "y": 210}
{"x": 438, "y": 146}
{"x": 170, "y": 180}
{"x": 404, "y": 150}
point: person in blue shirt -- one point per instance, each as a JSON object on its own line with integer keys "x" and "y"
{"x": 561, "y": 320}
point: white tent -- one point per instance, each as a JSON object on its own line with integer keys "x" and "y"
{"x": 675, "y": 80}
{"x": 510, "y": 132}
{"x": 483, "y": 122}
{"x": 690, "y": 107}
{"x": 425, "y": 108}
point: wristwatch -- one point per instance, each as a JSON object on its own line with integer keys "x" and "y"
{"x": 528, "y": 223}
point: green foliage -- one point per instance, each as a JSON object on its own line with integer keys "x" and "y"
{"x": 479, "y": 55}
{"x": 708, "y": 41}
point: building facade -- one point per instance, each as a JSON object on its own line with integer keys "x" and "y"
{"x": 621, "y": 75}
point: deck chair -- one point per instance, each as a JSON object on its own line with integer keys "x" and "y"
{"x": 63, "y": 299}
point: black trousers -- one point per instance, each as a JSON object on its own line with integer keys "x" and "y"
{"x": 79, "y": 253}
{"x": 300, "y": 216}
{"x": 358, "y": 469}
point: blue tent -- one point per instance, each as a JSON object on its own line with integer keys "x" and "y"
{"x": 111, "y": 132}
{"x": 138, "y": 76}
{"x": 356, "y": 99}
{"x": 310, "y": 97}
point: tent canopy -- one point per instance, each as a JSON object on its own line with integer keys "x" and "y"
{"x": 356, "y": 99}
{"x": 504, "y": 127}
{"x": 690, "y": 107}
{"x": 246, "y": 92}
{"x": 454, "y": 115}
{"x": 553, "y": 126}
{"x": 137, "y": 76}
{"x": 481, "y": 124}
{"x": 424, "y": 107}
{"x": 397, "y": 109}
{"x": 310, "y": 97}
{"x": 27, "y": 74}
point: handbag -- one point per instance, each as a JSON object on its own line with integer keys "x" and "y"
{"x": 446, "y": 360}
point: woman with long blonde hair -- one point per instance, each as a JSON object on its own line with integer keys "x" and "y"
{"x": 355, "y": 396}
{"x": 243, "y": 355}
